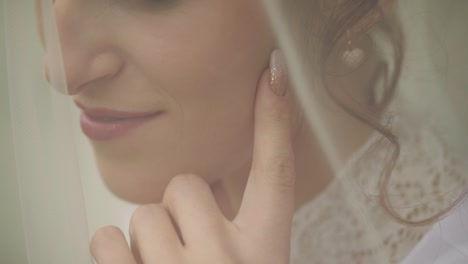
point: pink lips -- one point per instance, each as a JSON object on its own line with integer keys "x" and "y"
{"x": 105, "y": 124}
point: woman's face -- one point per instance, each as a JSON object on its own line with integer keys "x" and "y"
{"x": 196, "y": 62}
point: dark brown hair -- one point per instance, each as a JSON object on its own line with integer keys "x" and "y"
{"x": 354, "y": 20}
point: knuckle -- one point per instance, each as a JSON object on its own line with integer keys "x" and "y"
{"x": 144, "y": 214}
{"x": 102, "y": 237}
{"x": 181, "y": 184}
{"x": 185, "y": 179}
{"x": 142, "y": 219}
{"x": 286, "y": 165}
{"x": 284, "y": 173}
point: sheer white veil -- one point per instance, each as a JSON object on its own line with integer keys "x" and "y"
{"x": 57, "y": 195}
{"x": 428, "y": 123}
{"x": 53, "y": 215}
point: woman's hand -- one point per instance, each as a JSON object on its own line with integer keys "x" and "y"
{"x": 188, "y": 227}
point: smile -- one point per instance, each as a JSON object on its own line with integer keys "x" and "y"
{"x": 104, "y": 124}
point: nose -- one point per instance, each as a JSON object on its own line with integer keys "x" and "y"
{"x": 88, "y": 53}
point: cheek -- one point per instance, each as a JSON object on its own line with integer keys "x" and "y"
{"x": 211, "y": 74}
{"x": 208, "y": 72}
{"x": 215, "y": 87}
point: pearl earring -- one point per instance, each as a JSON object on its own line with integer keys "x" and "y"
{"x": 353, "y": 57}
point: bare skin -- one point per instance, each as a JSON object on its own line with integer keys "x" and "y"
{"x": 206, "y": 65}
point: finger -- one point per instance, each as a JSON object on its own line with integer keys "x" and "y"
{"x": 268, "y": 202}
{"x": 153, "y": 236}
{"x": 192, "y": 206}
{"x": 221, "y": 196}
{"x": 109, "y": 246}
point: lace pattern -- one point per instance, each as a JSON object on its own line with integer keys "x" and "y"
{"x": 347, "y": 224}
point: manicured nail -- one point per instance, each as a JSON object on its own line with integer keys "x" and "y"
{"x": 278, "y": 82}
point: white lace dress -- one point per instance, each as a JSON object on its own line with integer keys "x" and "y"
{"x": 346, "y": 224}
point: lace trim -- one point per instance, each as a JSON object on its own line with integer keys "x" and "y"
{"x": 346, "y": 224}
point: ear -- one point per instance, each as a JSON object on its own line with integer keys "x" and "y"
{"x": 370, "y": 20}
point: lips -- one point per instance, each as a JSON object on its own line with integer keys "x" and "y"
{"x": 105, "y": 124}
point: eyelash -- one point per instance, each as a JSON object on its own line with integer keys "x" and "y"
{"x": 152, "y": 3}
{"x": 161, "y": 3}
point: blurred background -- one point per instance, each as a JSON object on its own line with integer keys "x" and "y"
{"x": 12, "y": 245}
{"x": 43, "y": 185}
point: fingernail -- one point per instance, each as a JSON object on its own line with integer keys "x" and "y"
{"x": 278, "y": 81}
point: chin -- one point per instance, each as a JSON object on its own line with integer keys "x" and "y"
{"x": 140, "y": 174}
{"x": 141, "y": 186}
{"x": 135, "y": 185}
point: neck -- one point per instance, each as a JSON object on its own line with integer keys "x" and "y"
{"x": 313, "y": 174}
{"x": 313, "y": 171}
